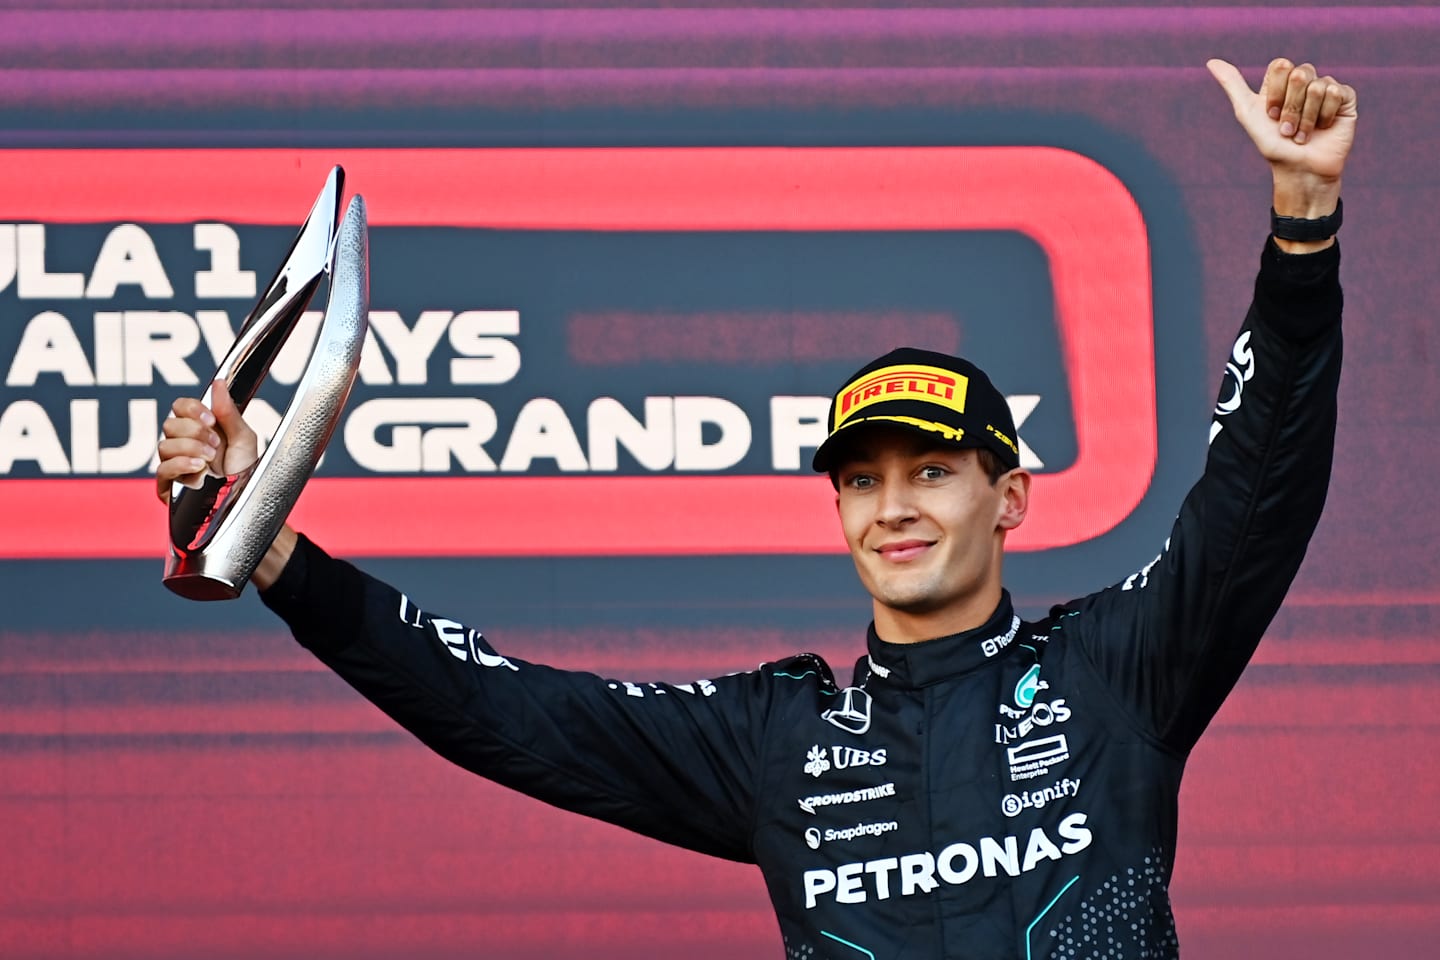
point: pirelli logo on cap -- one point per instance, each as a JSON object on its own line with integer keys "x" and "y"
{"x": 906, "y": 382}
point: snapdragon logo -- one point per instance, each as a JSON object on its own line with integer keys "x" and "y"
{"x": 813, "y": 836}
{"x": 1013, "y": 803}
{"x": 862, "y": 830}
{"x": 959, "y": 863}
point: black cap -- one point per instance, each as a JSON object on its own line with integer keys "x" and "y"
{"x": 930, "y": 393}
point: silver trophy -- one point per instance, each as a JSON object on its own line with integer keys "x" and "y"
{"x": 220, "y": 531}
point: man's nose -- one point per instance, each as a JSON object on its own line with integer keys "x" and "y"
{"x": 897, "y": 503}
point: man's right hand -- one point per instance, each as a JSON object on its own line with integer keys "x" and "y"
{"x": 200, "y": 442}
{"x": 215, "y": 441}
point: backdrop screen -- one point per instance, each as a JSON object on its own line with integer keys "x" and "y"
{"x": 621, "y": 253}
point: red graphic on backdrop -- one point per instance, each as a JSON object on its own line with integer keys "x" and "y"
{"x": 1075, "y": 210}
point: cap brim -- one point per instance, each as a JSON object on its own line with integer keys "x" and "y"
{"x": 833, "y": 451}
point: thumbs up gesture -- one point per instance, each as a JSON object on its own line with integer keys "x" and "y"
{"x": 1303, "y": 125}
{"x": 1297, "y": 119}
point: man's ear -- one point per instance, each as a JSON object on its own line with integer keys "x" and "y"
{"x": 1014, "y": 499}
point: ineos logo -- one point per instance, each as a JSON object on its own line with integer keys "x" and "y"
{"x": 1041, "y": 714}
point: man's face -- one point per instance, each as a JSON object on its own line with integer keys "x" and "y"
{"x": 921, "y": 519}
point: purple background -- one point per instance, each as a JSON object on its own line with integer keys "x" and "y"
{"x": 175, "y": 784}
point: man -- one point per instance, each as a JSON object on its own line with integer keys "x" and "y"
{"x": 985, "y": 787}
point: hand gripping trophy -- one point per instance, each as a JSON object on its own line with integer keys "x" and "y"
{"x": 220, "y": 529}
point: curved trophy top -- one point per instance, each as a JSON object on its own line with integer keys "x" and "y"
{"x": 285, "y": 298}
{"x": 220, "y": 530}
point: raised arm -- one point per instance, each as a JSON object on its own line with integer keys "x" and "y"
{"x": 679, "y": 762}
{"x": 1172, "y": 639}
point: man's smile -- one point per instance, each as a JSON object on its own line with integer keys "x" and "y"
{"x": 903, "y": 550}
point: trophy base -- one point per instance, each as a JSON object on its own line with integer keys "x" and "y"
{"x": 202, "y": 586}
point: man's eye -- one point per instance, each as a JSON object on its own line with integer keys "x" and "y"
{"x": 934, "y": 473}
{"x": 862, "y": 481}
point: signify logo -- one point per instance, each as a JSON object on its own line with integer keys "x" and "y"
{"x": 1012, "y": 804}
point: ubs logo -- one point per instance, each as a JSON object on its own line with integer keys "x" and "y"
{"x": 818, "y": 761}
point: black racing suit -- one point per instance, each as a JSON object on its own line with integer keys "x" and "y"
{"x": 1006, "y": 792}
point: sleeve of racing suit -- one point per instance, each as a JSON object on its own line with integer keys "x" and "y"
{"x": 1172, "y": 639}
{"x": 676, "y": 762}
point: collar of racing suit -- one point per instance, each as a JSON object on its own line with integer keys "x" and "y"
{"x": 932, "y": 661}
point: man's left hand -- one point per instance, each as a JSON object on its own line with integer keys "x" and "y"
{"x": 1303, "y": 125}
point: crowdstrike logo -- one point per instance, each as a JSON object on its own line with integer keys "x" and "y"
{"x": 959, "y": 863}
{"x": 808, "y": 804}
{"x": 1013, "y": 803}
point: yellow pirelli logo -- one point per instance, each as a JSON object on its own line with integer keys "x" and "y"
{"x": 907, "y": 382}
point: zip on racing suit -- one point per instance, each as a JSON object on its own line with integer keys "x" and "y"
{"x": 1006, "y": 792}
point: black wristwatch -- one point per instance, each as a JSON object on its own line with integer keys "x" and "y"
{"x": 1306, "y": 231}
